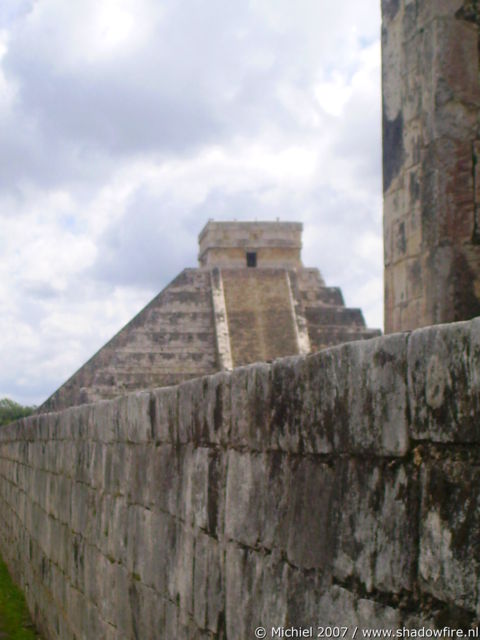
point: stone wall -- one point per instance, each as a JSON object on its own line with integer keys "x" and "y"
{"x": 341, "y": 488}
{"x": 431, "y": 168}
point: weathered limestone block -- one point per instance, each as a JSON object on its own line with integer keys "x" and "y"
{"x": 59, "y": 497}
{"x": 180, "y": 580}
{"x": 205, "y": 423}
{"x": 115, "y": 530}
{"x": 134, "y": 421}
{"x": 147, "y": 612}
{"x": 140, "y": 543}
{"x": 116, "y": 465}
{"x": 195, "y": 487}
{"x": 218, "y": 413}
{"x": 40, "y": 488}
{"x": 171, "y": 620}
{"x": 83, "y": 506}
{"x": 275, "y": 598}
{"x": 103, "y": 522}
{"x": 116, "y": 609}
{"x": 95, "y": 465}
{"x": 244, "y": 571}
{"x": 208, "y": 587}
{"x": 168, "y": 465}
{"x": 372, "y": 380}
{"x": 243, "y": 513}
{"x": 8, "y": 470}
{"x": 341, "y": 607}
{"x": 189, "y": 398}
{"x": 377, "y": 525}
{"x": 20, "y": 505}
{"x": 57, "y": 543}
{"x": 276, "y": 501}
{"x": 37, "y": 523}
{"x": 254, "y": 516}
{"x": 326, "y": 408}
{"x": 112, "y": 590}
{"x": 45, "y": 428}
{"x": 311, "y": 512}
{"x": 83, "y": 451}
{"x": 67, "y": 455}
{"x": 59, "y": 587}
{"x": 76, "y": 570}
{"x": 75, "y": 604}
{"x": 161, "y": 564}
{"x": 140, "y": 479}
{"x": 94, "y": 626}
{"x": 78, "y": 422}
{"x": 444, "y": 382}
{"x": 96, "y": 565}
{"x": 51, "y": 457}
{"x": 348, "y": 398}
{"x": 426, "y": 12}
{"x": 304, "y": 590}
{"x": 103, "y": 423}
{"x": 299, "y": 499}
{"x": 449, "y": 560}
{"x": 250, "y": 408}
{"x": 163, "y": 413}
{"x": 300, "y": 400}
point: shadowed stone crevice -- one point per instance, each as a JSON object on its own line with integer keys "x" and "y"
{"x": 393, "y": 151}
{"x": 470, "y": 12}
{"x": 476, "y": 185}
{"x": 407, "y": 603}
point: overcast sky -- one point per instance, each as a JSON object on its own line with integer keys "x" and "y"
{"x": 126, "y": 124}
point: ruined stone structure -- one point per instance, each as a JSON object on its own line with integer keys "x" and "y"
{"x": 340, "y": 488}
{"x": 431, "y": 161}
{"x": 250, "y": 300}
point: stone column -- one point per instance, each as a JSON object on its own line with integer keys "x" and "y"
{"x": 431, "y": 161}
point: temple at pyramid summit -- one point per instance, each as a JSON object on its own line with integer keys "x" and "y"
{"x": 250, "y": 299}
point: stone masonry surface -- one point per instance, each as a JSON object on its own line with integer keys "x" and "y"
{"x": 431, "y": 161}
{"x": 337, "y": 488}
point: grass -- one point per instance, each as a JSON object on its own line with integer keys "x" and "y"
{"x": 15, "y": 621}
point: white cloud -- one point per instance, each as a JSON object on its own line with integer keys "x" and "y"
{"x": 126, "y": 124}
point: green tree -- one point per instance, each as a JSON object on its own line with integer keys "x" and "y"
{"x": 11, "y": 410}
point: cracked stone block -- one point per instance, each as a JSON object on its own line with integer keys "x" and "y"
{"x": 163, "y": 414}
{"x": 449, "y": 555}
{"x": 208, "y": 591}
{"x": 298, "y": 500}
{"x": 310, "y": 522}
{"x": 444, "y": 382}
{"x": 339, "y": 607}
{"x": 134, "y": 421}
{"x": 376, "y": 525}
{"x": 244, "y": 591}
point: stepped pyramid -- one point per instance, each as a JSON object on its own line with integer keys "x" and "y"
{"x": 251, "y": 299}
